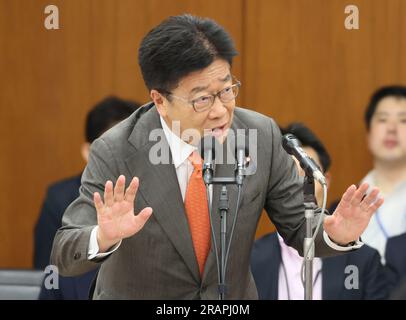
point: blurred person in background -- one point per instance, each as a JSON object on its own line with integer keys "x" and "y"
{"x": 104, "y": 115}
{"x": 385, "y": 119}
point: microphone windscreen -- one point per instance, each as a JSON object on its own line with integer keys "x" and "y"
{"x": 289, "y": 142}
{"x": 207, "y": 143}
{"x": 242, "y": 143}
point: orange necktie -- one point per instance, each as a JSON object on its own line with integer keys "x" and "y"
{"x": 197, "y": 211}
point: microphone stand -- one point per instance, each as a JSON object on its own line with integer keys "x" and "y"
{"x": 223, "y": 207}
{"x": 223, "y": 210}
{"x": 310, "y": 206}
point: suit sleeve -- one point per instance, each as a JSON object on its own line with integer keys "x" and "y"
{"x": 70, "y": 247}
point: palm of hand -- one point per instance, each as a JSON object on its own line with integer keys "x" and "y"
{"x": 117, "y": 221}
{"x": 115, "y": 216}
{"x": 353, "y": 214}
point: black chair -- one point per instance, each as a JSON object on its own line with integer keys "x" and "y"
{"x": 20, "y": 284}
{"x": 399, "y": 293}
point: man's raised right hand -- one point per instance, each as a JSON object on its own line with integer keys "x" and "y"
{"x": 115, "y": 217}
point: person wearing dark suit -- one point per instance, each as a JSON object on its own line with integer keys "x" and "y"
{"x": 70, "y": 288}
{"x": 60, "y": 195}
{"x": 266, "y": 268}
{"x": 399, "y": 293}
{"x": 276, "y": 266}
{"x": 395, "y": 256}
{"x": 385, "y": 122}
{"x": 142, "y": 214}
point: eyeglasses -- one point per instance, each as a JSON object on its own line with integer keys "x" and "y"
{"x": 204, "y": 103}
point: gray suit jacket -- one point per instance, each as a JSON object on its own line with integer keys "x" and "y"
{"x": 159, "y": 261}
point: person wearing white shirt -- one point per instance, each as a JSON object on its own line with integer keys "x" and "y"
{"x": 385, "y": 120}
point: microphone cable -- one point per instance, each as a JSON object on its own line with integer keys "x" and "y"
{"x": 232, "y": 229}
{"x": 214, "y": 235}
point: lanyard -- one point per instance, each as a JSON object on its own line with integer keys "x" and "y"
{"x": 380, "y": 224}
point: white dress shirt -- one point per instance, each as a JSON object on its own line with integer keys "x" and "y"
{"x": 290, "y": 285}
{"x": 389, "y": 220}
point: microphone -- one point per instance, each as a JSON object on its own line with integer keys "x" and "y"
{"x": 293, "y": 147}
{"x": 207, "y": 148}
{"x": 241, "y": 153}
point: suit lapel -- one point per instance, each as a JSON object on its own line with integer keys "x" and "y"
{"x": 160, "y": 188}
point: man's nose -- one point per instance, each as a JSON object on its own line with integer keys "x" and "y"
{"x": 218, "y": 109}
{"x": 391, "y": 126}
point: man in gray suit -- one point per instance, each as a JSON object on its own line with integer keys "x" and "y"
{"x": 132, "y": 218}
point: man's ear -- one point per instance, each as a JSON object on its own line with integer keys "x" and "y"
{"x": 368, "y": 139}
{"x": 328, "y": 177}
{"x": 84, "y": 150}
{"x": 159, "y": 102}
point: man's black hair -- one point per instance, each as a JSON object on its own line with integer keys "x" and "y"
{"x": 105, "y": 114}
{"x": 309, "y": 139}
{"x": 388, "y": 91}
{"x": 180, "y": 45}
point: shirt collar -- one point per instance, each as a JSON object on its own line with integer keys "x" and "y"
{"x": 370, "y": 179}
{"x": 180, "y": 149}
